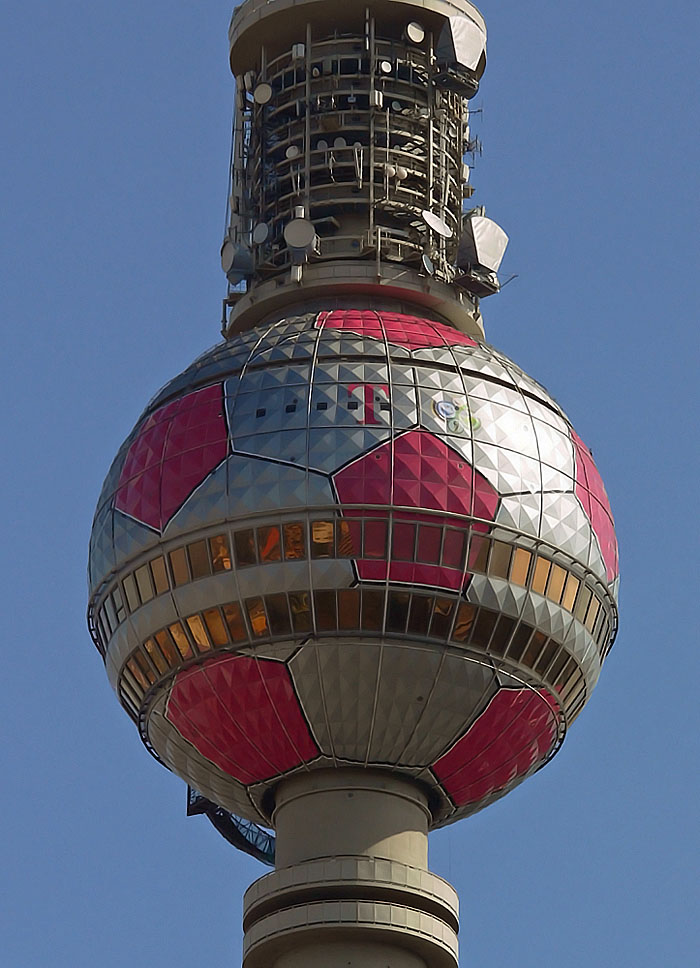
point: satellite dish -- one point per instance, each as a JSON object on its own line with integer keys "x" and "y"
{"x": 415, "y": 33}
{"x": 299, "y": 234}
{"x": 483, "y": 244}
{"x": 437, "y": 224}
{"x": 396, "y": 105}
{"x": 236, "y": 261}
{"x": 401, "y": 173}
{"x": 261, "y": 233}
{"x": 262, "y": 94}
{"x": 386, "y": 67}
{"x": 292, "y": 152}
{"x": 428, "y": 264}
{"x": 322, "y": 145}
{"x": 340, "y": 143}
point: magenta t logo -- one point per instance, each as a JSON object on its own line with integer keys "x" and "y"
{"x": 369, "y": 399}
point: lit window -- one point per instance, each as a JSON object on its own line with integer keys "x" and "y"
{"x": 155, "y": 656}
{"x": 349, "y": 539}
{"x": 167, "y": 647}
{"x": 570, "y": 592}
{"x": 196, "y": 627}
{"x": 442, "y": 618}
{"x": 555, "y": 588}
{"x": 294, "y": 541}
{"x": 257, "y": 616}
{"x": 592, "y": 614}
{"x": 540, "y": 576}
{"x": 182, "y": 643}
{"x": 269, "y": 545}
{"x": 138, "y": 673}
{"x": 582, "y": 603}
{"x": 215, "y": 626}
{"x": 464, "y": 623}
{"x": 300, "y": 606}
{"x": 499, "y": 563}
{"x": 322, "y": 540}
{"x": 145, "y": 667}
{"x": 220, "y": 553}
{"x": 478, "y": 553}
{"x": 160, "y": 575}
{"x": 520, "y": 567}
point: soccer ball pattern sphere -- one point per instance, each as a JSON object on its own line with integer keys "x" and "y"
{"x": 353, "y": 538}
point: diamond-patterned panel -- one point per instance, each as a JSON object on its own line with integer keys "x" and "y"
{"x": 591, "y": 492}
{"x": 243, "y": 715}
{"x": 516, "y": 731}
{"x": 173, "y": 452}
{"x": 411, "y": 332}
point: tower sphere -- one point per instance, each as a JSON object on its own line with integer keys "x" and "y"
{"x": 353, "y": 537}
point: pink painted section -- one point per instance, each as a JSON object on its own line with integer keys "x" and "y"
{"x": 175, "y": 449}
{"x": 243, "y": 715}
{"x": 416, "y": 471}
{"x": 591, "y": 493}
{"x": 515, "y": 732}
{"x": 411, "y": 332}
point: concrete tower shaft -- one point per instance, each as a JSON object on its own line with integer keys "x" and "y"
{"x": 348, "y": 177}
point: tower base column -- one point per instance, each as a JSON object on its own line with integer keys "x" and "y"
{"x": 351, "y": 886}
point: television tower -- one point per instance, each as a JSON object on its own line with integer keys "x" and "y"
{"x": 353, "y": 573}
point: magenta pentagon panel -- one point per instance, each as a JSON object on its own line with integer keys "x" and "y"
{"x": 175, "y": 449}
{"x": 416, "y": 472}
{"x": 590, "y": 491}
{"x": 515, "y": 732}
{"x": 411, "y": 332}
{"x": 243, "y": 715}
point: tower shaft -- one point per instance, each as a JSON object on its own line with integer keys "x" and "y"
{"x": 351, "y": 885}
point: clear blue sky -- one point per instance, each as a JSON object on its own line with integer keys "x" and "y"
{"x": 113, "y": 179}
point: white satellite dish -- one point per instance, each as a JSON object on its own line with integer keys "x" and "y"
{"x": 322, "y": 145}
{"x": 386, "y": 67}
{"x": 340, "y": 143}
{"x": 484, "y": 243}
{"x": 437, "y": 224}
{"x": 299, "y": 234}
{"x": 415, "y": 33}
{"x": 292, "y": 152}
{"x": 261, "y": 233}
{"x": 262, "y": 94}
